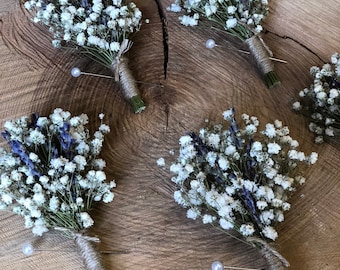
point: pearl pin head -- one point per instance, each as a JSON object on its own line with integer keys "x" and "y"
{"x": 210, "y": 43}
{"x": 217, "y": 265}
{"x": 75, "y": 72}
{"x": 27, "y": 249}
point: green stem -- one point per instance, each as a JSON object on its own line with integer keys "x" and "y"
{"x": 271, "y": 79}
{"x": 137, "y": 104}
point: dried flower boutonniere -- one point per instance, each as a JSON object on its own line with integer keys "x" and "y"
{"x": 240, "y": 179}
{"x": 52, "y": 175}
{"x": 98, "y": 28}
{"x": 321, "y": 101}
{"x": 238, "y": 18}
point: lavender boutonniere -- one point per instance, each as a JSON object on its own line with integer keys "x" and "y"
{"x": 52, "y": 174}
{"x": 237, "y": 178}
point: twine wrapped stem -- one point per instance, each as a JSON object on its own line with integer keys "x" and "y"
{"x": 261, "y": 53}
{"x": 128, "y": 84}
{"x": 274, "y": 259}
{"x": 87, "y": 251}
{"x": 85, "y": 248}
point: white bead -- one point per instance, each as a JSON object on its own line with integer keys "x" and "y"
{"x": 217, "y": 265}
{"x": 210, "y": 43}
{"x": 75, "y": 72}
{"x": 27, "y": 249}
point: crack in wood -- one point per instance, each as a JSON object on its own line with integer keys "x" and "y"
{"x": 164, "y": 21}
{"x": 297, "y": 42}
{"x": 165, "y": 36}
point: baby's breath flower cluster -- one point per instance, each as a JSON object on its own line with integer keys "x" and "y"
{"x": 52, "y": 174}
{"x": 95, "y": 25}
{"x": 238, "y": 18}
{"x": 99, "y": 28}
{"x": 239, "y": 179}
{"x": 321, "y": 101}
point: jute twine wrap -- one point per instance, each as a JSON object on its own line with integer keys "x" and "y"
{"x": 125, "y": 77}
{"x": 85, "y": 248}
{"x": 274, "y": 259}
{"x": 122, "y": 72}
{"x": 89, "y": 254}
{"x": 261, "y": 53}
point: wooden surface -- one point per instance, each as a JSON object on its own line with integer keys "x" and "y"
{"x": 143, "y": 228}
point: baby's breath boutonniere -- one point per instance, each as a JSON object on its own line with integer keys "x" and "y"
{"x": 52, "y": 175}
{"x": 98, "y": 28}
{"x": 321, "y": 101}
{"x": 238, "y": 18}
{"x": 237, "y": 178}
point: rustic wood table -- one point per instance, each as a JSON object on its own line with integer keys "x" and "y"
{"x": 143, "y": 228}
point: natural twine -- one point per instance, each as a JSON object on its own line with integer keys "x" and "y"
{"x": 90, "y": 255}
{"x": 86, "y": 250}
{"x": 122, "y": 72}
{"x": 274, "y": 259}
{"x": 124, "y": 47}
{"x": 261, "y": 53}
{"x": 126, "y": 78}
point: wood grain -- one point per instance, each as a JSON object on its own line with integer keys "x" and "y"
{"x": 143, "y": 228}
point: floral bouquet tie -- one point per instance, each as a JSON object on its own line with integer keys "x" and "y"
{"x": 98, "y": 28}
{"x": 53, "y": 174}
{"x": 240, "y": 179}
{"x": 321, "y": 101}
{"x": 239, "y": 18}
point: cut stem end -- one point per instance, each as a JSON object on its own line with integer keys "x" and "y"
{"x": 137, "y": 104}
{"x": 271, "y": 79}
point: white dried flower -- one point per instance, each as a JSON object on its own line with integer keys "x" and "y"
{"x": 225, "y": 13}
{"x": 43, "y": 176}
{"x": 100, "y": 25}
{"x": 247, "y": 229}
{"x": 86, "y": 220}
{"x": 270, "y": 233}
{"x": 231, "y": 177}
{"x": 231, "y": 23}
{"x": 321, "y": 101}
